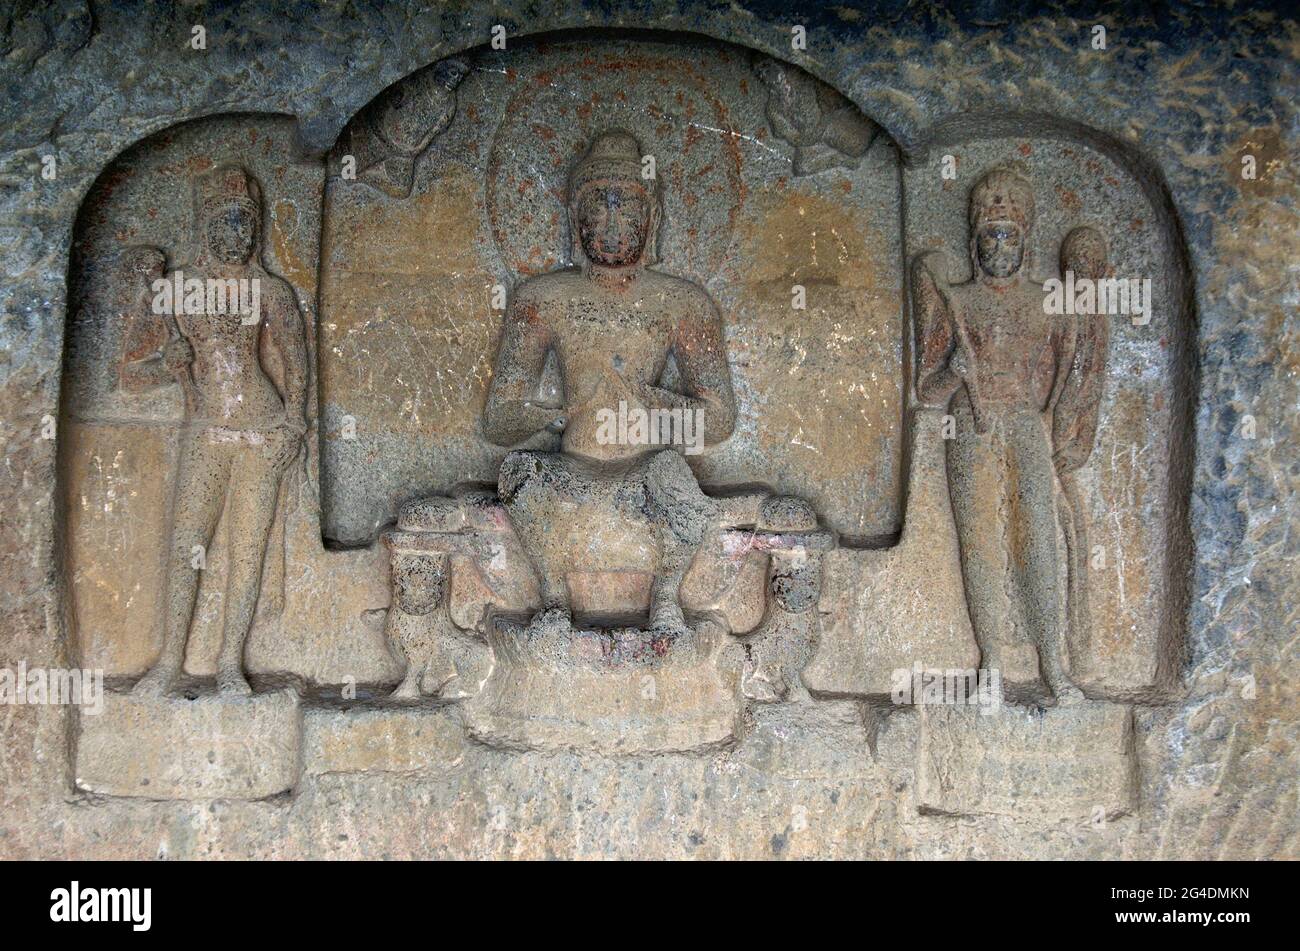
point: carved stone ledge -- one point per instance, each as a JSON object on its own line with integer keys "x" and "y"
{"x": 808, "y": 742}
{"x": 385, "y": 740}
{"x": 885, "y": 610}
{"x": 212, "y": 747}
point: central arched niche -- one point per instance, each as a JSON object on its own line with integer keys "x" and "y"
{"x": 770, "y": 179}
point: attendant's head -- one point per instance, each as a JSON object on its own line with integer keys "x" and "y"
{"x": 1001, "y": 214}
{"x": 230, "y": 211}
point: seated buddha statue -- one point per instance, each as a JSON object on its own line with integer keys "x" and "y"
{"x": 583, "y": 494}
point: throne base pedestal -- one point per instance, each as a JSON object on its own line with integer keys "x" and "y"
{"x": 613, "y": 692}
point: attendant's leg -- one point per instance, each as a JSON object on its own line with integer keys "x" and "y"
{"x": 979, "y": 506}
{"x": 1036, "y": 567}
{"x": 202, "y": 478}
{"x": 254, "y": 489}
{"x": 1078, "y": 633}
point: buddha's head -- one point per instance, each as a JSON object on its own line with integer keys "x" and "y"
{"x": 613, "y": 210}
{"x": 1001, "y": 214}
{"x": 229, "y": 214}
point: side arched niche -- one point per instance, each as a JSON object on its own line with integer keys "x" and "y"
{"x": 119, "y": 444}
{"x": 769, "y": 179}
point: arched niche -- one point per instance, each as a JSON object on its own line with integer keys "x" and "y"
{"x": 774, "y": 187}
{"x": 119, "y": 444}
{"x": 889, "y": 610}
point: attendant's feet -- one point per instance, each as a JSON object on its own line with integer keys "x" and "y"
{"x": 158, "y": 682}
{"x": 231, "y": 683}
{"x": 409, "y": 688}
{"x": 1068, "y": 695}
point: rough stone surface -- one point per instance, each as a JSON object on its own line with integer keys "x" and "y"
{"x": 411, "y": 740}
{"x": 1202, "y": 684}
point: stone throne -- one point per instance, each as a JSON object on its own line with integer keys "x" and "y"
{"x": 602, "y": 578}
{"x": 464, "y": 588}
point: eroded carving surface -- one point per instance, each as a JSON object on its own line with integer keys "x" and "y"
{"x": 825, "y": 128}
{"x": 613, "y": 427}
{"x": 387, "y": 139}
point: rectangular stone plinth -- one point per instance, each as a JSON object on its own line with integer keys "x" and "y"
{"x": 613, "y": 692}
{"x": 212, "y": 747}
{"x": 1069, "y": 762}
{"x": 386, "y": 740}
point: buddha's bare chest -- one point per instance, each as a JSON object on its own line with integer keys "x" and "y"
{"x": 624, "y": 335}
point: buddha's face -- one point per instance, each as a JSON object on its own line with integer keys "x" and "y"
{"x": 613, "y": 222}
{"x": 1000, "y": 248}
{"x": 230, "y": 232}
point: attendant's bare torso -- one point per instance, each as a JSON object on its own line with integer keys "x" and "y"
{"x": 1014, "y": 345}
{"x": 228, "y": 384}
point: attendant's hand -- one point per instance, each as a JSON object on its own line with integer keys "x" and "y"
{"x": 144, "y": 264}
{"x": 177, "y": 355}
{"x": 935, "y": 264}
{"x": 959, "y": 362}
{"x": 294, "y": 423}
{"x": 289, "y": 437}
